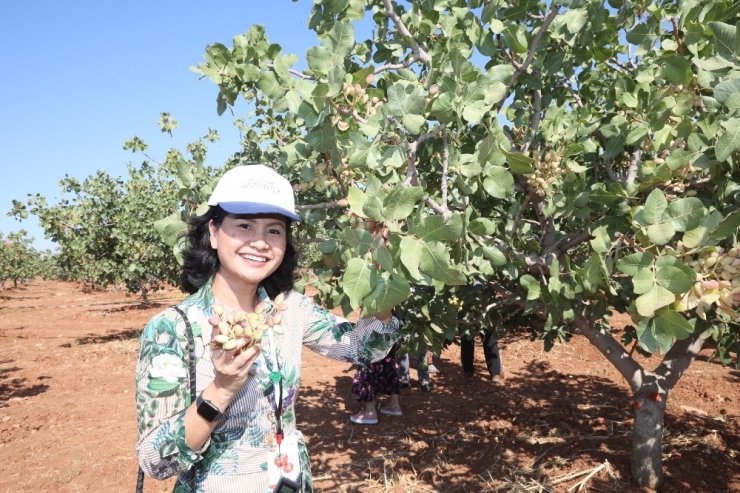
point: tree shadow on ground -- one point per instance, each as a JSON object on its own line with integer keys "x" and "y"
{"x": 539, "y": 425}
{"x": 123, "y": 335}
{"x": 16, "y": 387}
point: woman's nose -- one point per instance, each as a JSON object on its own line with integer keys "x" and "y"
{"x": 259, "y": 244}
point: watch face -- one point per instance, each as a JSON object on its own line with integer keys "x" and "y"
{"x": 208, "y": 411}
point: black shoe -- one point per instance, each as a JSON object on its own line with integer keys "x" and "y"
{"x": 404, "y": 384}
{"x": 426, "y": 387}
{"x": 468, "y": 376}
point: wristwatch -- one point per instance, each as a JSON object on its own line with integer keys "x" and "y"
{"x": 207, "y": 410}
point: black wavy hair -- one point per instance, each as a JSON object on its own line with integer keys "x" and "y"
{"x": 200, "y": 261}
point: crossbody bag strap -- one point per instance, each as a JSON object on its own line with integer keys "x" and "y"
{"x": 193, "y": 396}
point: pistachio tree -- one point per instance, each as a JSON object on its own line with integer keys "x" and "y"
{"x": 20, "y": 261}
{"x": 104, "y": 226}
{"x": 470, "y": 161}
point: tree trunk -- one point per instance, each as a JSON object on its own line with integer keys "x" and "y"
{"x": 650, "y": 390}
{"x": 647, "y": 436}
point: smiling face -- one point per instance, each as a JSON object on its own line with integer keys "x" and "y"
{"x": 250, "y": 247}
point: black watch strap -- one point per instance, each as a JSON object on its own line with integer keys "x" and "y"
{"x": 207, "y": 410}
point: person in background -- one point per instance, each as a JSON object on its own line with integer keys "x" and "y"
{"x": 430, "y": 363}
{"x": 241, "y": 432}
{"x": 490, "y": 352}
{"x": 422, "y": 371}
{"x": 372, "y": 379}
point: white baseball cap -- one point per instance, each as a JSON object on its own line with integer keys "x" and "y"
{"x": 254, "y": 189}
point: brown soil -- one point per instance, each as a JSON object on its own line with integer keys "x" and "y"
{"x": 67, "y": 414}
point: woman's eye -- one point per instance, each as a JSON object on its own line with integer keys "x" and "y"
{"x": 276, "y": 232}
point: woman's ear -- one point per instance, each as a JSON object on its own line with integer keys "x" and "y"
{"x": 213, "y": 230}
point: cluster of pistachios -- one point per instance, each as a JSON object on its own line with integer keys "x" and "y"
{"x": 251, "y": 326}
{"x": 717, "y": 279}
{"x": 547, "y": 170}
{"x": 691, "y": 88}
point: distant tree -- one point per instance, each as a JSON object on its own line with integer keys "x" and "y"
{"x": 105, "y": 231}
{"x": 19, "y": 261}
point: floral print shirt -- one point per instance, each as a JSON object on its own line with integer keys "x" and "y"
{"x": 234, "y": 458}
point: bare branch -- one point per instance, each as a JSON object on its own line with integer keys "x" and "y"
{"x": 520, "y": 212}
{"x": 520, "y": 70}
{"x": 632, "y": 170}
{"x": 507, "y": 53}
{"x": 322, "y": 205}
{"x": 419, "y": 50}
{"x": 612, "y": 350}
{"x": 445, "y": 164}
{"x": 298, "y": 74}
{"x": 676, "y": 35}
{"x": 396, "y": 66}
{"x": 565, "y": 84}
{"x": 567, "y": 242}
{"x": 678, "y": 359}
{"x": 536, "y": 116}
{"x": 353, "y": 113}
{"x": 610, "y": 171}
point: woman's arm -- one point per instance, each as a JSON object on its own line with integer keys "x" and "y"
{"x": 162, "y": 397}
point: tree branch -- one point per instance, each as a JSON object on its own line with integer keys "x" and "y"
{"x": 565, "y": 84}
{"x": 298, "y": 74}
{"x": 612, "y": 351}
{"x": 679, "y": 358}
{"x": 533, "y": 47}
{"x": 419, "y": 50}
{"x": 537, "y": 115}
{"x": 445, "y": 164}
{"x": 322, "y": 205}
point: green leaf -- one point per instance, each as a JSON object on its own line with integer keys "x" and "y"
{"x": 383, "y": 257}
{"x": 643, "y": 281}
{"x": 411, "y": 251}
{"x": 701, "y": 235}
{"x": 671, "y": 323}
{"x": 519, "y": 163}
{"x": 657, "y": 297}
{"x": 357, "y": 199}
{"x": 639, "y": 35}
{"x": 729, "y": 141}
{"x": 655, "y": 205}
{"x": 674, "y": 279}
{"x": 401, "y": 202}
{"x": 499, "y": 183}
{"x": 532, "y": 286}
{"x": 677, "y": 69}
{"x": 435, "y": 228}
{"x": 653, "y": 340}
{"x": 727, "y": 227}
{"x": 634, "y": 263}
{"x": 435, "y": 262}
{"x": 359, "y": 239}
{"x": 359, "y": 280}
{"x": 575, "y": 20}
{"x": 685, "y": 214}
{"x": 406, "y": 102}
{"x": 725, "y": 89}
{"x": 482, "y": 226}
{"x": 390, "y": 291}
{"x": 725, "y": 37}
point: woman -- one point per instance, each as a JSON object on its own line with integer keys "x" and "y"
{"x": 240, "y": 435}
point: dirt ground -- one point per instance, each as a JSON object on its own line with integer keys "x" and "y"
{"x": 67, "y": 413}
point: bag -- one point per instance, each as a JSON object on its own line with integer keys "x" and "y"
{"x": 190, "y": 477}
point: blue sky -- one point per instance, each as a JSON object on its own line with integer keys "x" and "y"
{"x": 80, "y": 78}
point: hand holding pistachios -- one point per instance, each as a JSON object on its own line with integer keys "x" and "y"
{"x": 251, "y": 326}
